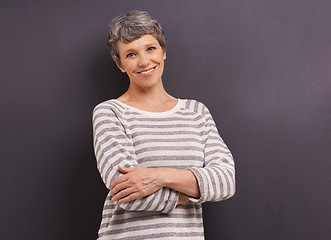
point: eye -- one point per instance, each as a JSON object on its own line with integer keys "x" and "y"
{"x": 151, "y": 48}
{"x": 130, "y": 55}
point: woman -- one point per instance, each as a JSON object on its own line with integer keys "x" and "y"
{"x": 161, "y": 157}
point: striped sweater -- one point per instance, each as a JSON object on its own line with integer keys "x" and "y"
{"x": 184, "y": 137}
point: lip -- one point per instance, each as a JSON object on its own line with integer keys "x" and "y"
{"x": 148, "y": 71}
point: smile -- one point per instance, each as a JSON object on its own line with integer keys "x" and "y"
{"x": 147, "y": 71}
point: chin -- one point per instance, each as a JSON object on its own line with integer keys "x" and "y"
{"x": 151, "y": 85}
{"x": 148, "y": 83}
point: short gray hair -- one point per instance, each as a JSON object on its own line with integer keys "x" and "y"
{"x": 131, "y": 26}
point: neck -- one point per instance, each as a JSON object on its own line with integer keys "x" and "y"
{"x": 151, "y": 96}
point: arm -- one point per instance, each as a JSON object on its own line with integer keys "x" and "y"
{"x": 216, "y": 179}
{"x": 112, "y": 148}
{"x": 214, "y": 182}
{"x": 138, "y": 182}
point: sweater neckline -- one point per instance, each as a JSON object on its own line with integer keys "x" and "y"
{"x": 170, "y": 111}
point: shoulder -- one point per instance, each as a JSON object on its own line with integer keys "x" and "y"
{"x": 111, "y": 108}
{"x": 109, "y": 105}
{"x": 195, "y": 106}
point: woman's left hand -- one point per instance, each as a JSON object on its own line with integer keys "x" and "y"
{"x": 137, "y": 182}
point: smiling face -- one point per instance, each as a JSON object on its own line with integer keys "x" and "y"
{"x": 143, "y": 61}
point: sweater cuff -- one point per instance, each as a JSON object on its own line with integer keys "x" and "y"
{"x": 203, "y": 191}
{"x": 171, "y": 202}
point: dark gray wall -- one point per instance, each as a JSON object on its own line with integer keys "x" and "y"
{"x": 263, "y": 67}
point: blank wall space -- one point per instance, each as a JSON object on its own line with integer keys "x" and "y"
{"x": 261, "y": 67}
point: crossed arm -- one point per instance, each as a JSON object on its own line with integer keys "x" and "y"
{"x": 159, "y": 189}
{"x": 138, "y": 182}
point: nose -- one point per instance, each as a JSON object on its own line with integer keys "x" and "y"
{"x": 143, "y": 60}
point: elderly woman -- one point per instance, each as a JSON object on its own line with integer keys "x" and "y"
{"x": 161, "y": 157}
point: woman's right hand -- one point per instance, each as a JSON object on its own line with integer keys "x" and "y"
{"x": 182, "y": 199}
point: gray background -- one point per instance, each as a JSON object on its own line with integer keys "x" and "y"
{"x": 263, "y": 67}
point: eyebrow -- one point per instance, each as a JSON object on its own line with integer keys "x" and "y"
{"x": 133, "y": 50}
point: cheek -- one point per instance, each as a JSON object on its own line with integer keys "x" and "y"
{"x": 159, "y": 59}
{"x": 128, "y": 65}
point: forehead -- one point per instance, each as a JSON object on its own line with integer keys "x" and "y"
{"x": 137, "y": 44}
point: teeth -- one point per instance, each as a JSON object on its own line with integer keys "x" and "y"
{"x": 148, "y": 71}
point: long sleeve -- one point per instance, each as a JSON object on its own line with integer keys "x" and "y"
{"x": 216, "y": 179}
{"x": 113, "y": 147}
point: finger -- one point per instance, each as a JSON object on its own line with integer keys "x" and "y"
{"x": 120, "y": 187}
{"x": 138, "y": 193}
{"x": 130, "y": 197}
{"x": 123, "y": 194}
{"x": 117, "y": 181}
{"x": 125, "y": 169}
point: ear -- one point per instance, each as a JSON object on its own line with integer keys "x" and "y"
{"x": 164, "y": 56}
{"x": 120, "y": 68}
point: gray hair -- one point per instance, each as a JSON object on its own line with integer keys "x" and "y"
{"x": 131, "y": 26}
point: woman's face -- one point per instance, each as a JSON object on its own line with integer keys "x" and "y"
{"x": 142, "y": 60}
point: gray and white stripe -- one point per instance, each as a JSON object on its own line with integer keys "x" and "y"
{"x": 185, "y": 137}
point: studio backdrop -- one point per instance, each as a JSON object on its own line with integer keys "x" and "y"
{"x": 263, "y": 68}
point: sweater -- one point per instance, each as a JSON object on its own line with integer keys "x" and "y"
{"x": 184, "y": 137}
